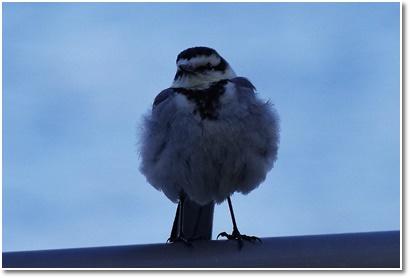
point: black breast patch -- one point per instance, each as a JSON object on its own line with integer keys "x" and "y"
{"x": 206, "y": 100}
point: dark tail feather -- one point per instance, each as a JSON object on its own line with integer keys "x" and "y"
{"x": 197, "y": 220}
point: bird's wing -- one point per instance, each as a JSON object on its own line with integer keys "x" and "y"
{"x": 243, "y": 82}
{"x": 162, "y": 96}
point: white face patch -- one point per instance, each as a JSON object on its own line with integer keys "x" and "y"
{"x": 203, "y": 81}
{"x": 198, "y": 61}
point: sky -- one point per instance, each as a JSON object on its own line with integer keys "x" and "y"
{"x": 77, "y": 79}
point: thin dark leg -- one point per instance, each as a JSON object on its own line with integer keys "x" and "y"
{"x": 235, "y": 227}
{"x": 177, "y": 233}
{"x": 181, "y": 215}
{"x": 236, "y": 235}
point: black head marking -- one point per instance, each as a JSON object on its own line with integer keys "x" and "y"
{"x": 196, "y": 51}
{"x": 192, "y": 52}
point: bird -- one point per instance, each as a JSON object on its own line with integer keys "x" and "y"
{"x": 206, "y": 137}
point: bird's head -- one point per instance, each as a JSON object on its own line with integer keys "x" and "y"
{"x": 198, "y": 67}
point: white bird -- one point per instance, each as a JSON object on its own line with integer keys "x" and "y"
{"x": 208, "y": 136}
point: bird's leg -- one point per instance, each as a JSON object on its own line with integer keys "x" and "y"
{"x": 181, "y": 236}
{"x": 177, "y": 234}
{"x": 236, "y": 235}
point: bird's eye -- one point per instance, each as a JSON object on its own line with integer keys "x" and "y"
{"x": 209, "y": 67}
{"x": 205, "y": 67}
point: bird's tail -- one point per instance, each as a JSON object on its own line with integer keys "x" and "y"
{"x": 197, "y": 220}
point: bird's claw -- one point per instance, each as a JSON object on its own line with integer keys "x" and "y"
{"x": 239, "y": 237}
{"x": 224, "y": 234}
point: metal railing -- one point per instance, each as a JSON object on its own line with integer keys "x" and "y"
{"x": 355, "y": 250}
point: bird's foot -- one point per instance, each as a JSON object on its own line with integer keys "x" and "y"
{"x": 236, "y": 235}
{"x": 180, "y": 238}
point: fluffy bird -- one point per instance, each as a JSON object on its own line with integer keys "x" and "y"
{"x": 208, "y": 136}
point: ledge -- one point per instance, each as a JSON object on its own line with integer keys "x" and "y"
{"x": 356, "y": 250}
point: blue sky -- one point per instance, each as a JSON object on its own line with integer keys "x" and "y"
{"x": 77, "y": 79}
